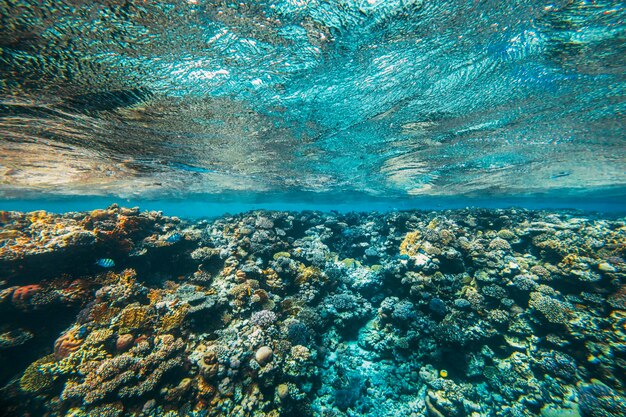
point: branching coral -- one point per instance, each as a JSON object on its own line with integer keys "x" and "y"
{"x": 130, "y": 374}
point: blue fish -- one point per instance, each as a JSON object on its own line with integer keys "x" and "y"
{"x": 174, "y": 238}
{"x": 105, "y": 262}
{"x": 82, "y": 332}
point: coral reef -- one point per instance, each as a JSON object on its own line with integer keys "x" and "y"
{"x": 479, "y": 313}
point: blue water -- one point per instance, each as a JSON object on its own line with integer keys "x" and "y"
{"x": 384, "y": 99}
{"x": 211, "y": 207}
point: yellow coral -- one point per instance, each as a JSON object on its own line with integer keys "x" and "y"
{"x": 154, "y": 296}
{"x": 39, "y": 217}
{"x": 350, "y": 263}
{"x": 98, "y": 336}
{"x": 71, "y": 364}
{"x": 446, "y": 236}
{"x": 272, "y": 279}
{"x": 128, "y": 276}
{"x": 174, "y": 319}
{"x": 434, "y": 223}
{"x": 103, "y": 313}
{"x": 133, "y": 316}
{"x": 411, "y": 243}
{"x": 227, "y": 271}
{"x": 308, "y": 274}
{"x": 570, "y": 260}
{"x": 10, "y": 234}
{"x": 552, "y": 309}
{"x": 35, "y": 380}
{"x": 244, "y": 290}
{"x": 300, "y": 353}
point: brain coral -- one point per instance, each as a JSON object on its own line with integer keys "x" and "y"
{"x": 69, "y": 342}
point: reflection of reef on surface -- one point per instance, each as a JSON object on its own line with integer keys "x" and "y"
{"x": 453, "y": 313}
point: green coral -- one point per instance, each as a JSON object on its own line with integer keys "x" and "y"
{"x": 99, "y": 336}
{"x": 36, "y": 380}
{"x": 71, "y": 364}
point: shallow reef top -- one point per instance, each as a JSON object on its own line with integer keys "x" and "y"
{"x": 385, "y": 98}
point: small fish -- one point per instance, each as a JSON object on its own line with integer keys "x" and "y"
{"x": 560, "y": 175}
{"x": 105, "y": 262}
{"x": 173, "y": 238}
{"x": 82, "y": 332}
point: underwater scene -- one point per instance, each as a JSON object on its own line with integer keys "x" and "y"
{"x": 312, "y": 208}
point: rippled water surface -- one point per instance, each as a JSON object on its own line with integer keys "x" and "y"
{"x": 383, "y": 98}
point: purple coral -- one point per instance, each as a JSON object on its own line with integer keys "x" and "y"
{"x": 263, "y": 318}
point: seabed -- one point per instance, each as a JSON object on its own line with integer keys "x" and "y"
{"x": 467, "y": 312}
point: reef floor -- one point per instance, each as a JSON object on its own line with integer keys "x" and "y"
{"x": 473, "y": 312}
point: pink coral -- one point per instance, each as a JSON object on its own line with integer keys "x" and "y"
{"x": 124, "y": 342}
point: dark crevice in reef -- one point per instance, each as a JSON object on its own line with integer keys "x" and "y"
{"x": 451, "y": 313}
{"x": 38, "y": 330}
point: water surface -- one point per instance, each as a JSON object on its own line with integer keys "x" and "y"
{"x": 387, "y": 99}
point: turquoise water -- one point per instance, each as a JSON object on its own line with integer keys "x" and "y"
{"x": 325, "y": 208}
{"x": 212, "y": 206}
{"x": 384, "y": 99}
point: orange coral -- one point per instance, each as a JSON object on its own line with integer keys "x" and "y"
{"x": 69, "y": 342}
{"x": 103, "y": 313}
{"x": 23, "y": 294}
